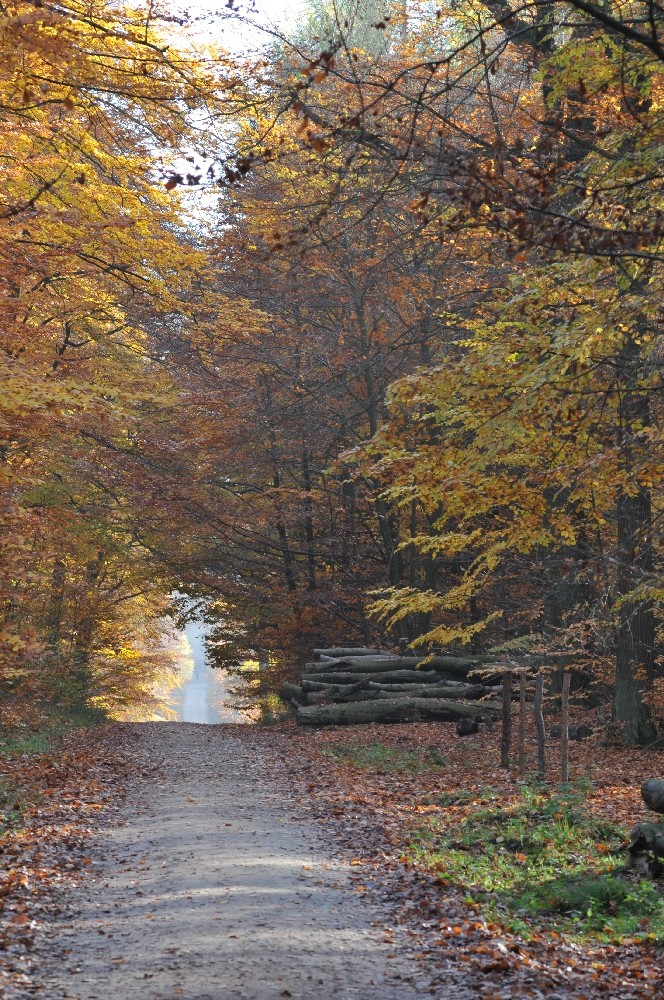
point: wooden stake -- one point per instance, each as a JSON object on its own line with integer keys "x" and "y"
{"x": 539, "y": 725}
{"x": 564, "y": 729}
{"x": 522, "y": 721}
{"x": 506, "y": 739}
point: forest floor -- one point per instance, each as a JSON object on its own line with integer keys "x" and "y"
{"x": 158, "y": 861}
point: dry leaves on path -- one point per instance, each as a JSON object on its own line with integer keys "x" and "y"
{"x": 50, "y": 804}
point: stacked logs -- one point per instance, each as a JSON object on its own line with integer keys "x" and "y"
{"x": 347, "y": 686}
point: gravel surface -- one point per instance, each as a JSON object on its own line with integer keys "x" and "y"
{"x": 209, "y": 888}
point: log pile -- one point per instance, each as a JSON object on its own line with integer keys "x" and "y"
{"x": 346, "y": 686}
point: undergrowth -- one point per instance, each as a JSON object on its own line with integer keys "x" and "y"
{"x": 41, "y": 732}
{"x": 272, "y": 709}
{"x": 44, "y": 730}
{"x": 542, "y": 862}
{"x": 385, "y": 759}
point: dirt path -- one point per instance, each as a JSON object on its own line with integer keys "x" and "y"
{"x": 210, "y": 889}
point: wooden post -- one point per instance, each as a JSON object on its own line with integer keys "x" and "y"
{"x": 522, "y": 721}
{"x": 539, "y": 725}
{"x": 506, "y": 739}
{"x": 564, "y": 729}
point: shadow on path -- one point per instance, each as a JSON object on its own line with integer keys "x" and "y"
{"x": 212, "y": 890}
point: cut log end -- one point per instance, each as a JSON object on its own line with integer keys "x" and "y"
{"x": 652, "y": 793}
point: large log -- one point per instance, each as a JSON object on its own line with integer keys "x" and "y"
{"x": 337, "y": 651}
{"x": 331, "y": 698}
{"x": 429, "y": 691}
{"x": 319, "y": 682}
{"x": 321, "y": 667}
{"x": 390, "y": 677}
{"x": 446, "y": 668}
{"x": 376, "y": 664}
{"x": 652, "y": 793}
{"x": 404, "y": 686}
{"x": 391, "y": 710}
{"x": 647, "y": 837}
{"x": 308, "y": 684}
{"x": 459, "y": 665}
{"x": 410, "y": 677}
{"x": 292, "y": 692}
{"x": 335, "y": 678}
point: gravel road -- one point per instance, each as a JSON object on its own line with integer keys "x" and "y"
{"x": 208, "y": 888}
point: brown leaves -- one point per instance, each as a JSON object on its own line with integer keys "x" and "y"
{"x": 374, "y": 814}
{"x": 62, "y": 793}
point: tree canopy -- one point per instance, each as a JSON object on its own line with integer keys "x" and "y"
{"x": 398, "y": 378}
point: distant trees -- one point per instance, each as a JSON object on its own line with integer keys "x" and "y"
{"x": 500, "y": 169}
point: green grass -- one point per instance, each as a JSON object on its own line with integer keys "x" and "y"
{"x": 30, "y": 743}
{"x": 545, "y": 862}
{"x": 384, "y": 759}
{"x": 20, "y": 740}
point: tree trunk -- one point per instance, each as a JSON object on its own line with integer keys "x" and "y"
{"x": 430, "y": 691}
{"x": 54, "y": 615}
{"x": 85, "y": 630}
{"x": 539, "y": 726}
{"x": 564, "y": 731}
{"x": 636, "y": 627}
{"x": 522, "y": 722}
{"x": 288, "y": 559}
{"x": 338, "y": 651}
{"x": 506, "y": 739}
{"x": 292, "y": 692}
{"x": 308, "y": 521}
{"x": 365, "y": 664}
{"x": 388, "y": 676}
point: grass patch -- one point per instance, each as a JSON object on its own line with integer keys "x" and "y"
{"x": 30, "y": 743}
{"x": 11, "y": 809}
{"x": 42, "y": 734}
{"x": 385, "y": 759}
{"x": 544, "y": 861}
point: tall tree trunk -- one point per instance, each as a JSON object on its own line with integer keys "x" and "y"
{"x": 636, "y": 625}
{"x": 387, "y": 524}
{"x": 349, "y": 553}
{"x": 85, "y": 630}
{"x": 288, "y": 559}
{"x": 308, "y": 521}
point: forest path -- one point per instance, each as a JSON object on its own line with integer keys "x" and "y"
{"x": 209, "y": 889}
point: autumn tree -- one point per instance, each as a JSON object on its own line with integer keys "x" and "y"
{"x": 524, "y": 146}
{"x": 98, "y": 108}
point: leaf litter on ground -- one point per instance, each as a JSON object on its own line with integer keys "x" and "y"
{"x": 379, "y": 791}
{"x": 50, "y": 804}
{"x": 399, "y": 797}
